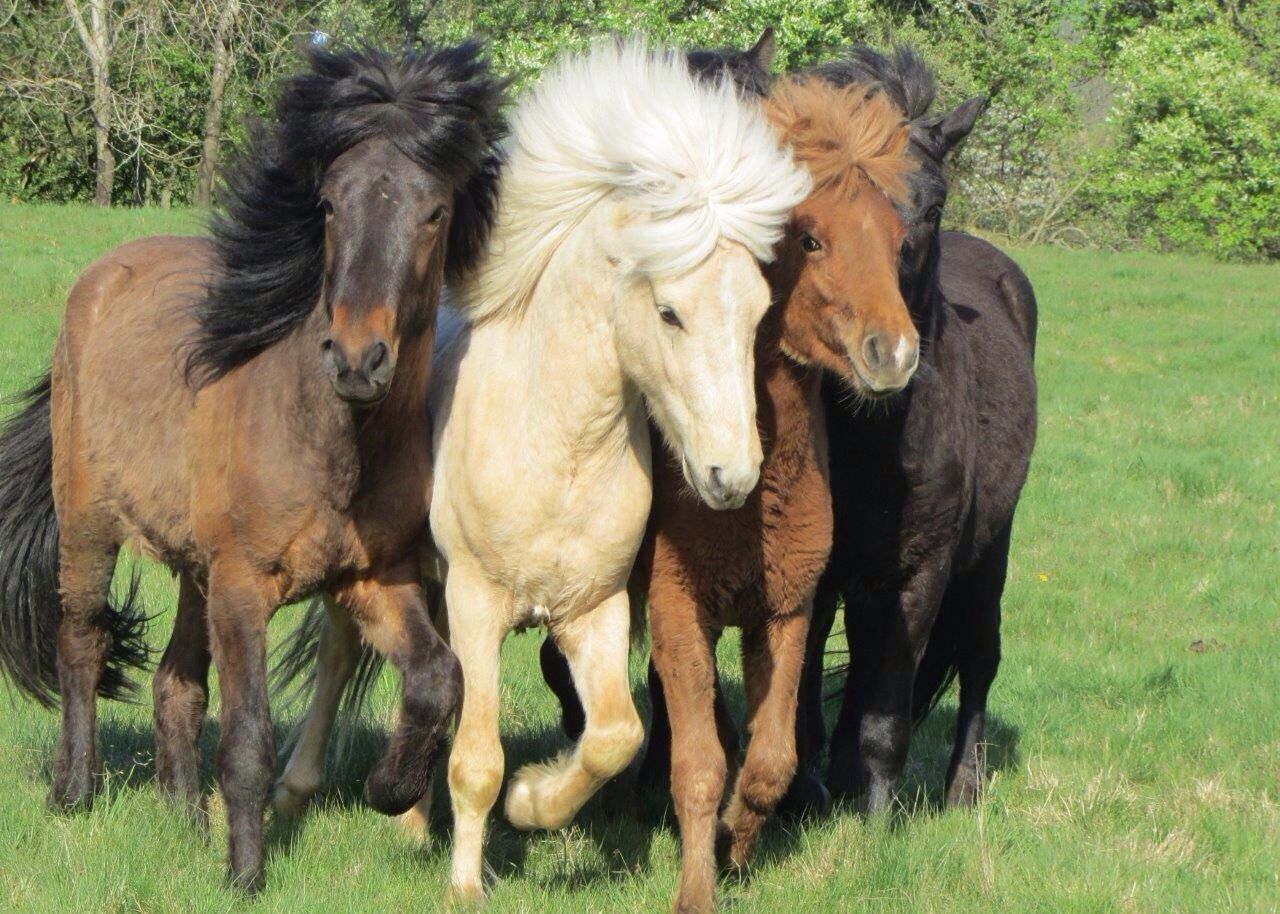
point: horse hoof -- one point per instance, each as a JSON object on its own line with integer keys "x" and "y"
{"x": 287, "y": 803}
{"x": 964, "y": 788}
{"x": 250, "y": 881}
{"x": 67, "y": 798}
{"x": 806, "y": 798}
{"x": 415, "y": 826}
{"x": 464, "y": 897}
{"x": 521, "y": 808}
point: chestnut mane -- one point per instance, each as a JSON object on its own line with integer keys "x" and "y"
{"x": 846, "y": 136}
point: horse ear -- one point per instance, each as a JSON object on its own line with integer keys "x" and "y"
{"x": 955, "y": 125}
{"x": 761, "y": 53}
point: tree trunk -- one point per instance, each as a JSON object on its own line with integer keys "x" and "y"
{"x": 96, "y": 38}
{"x": 222, "y": 62}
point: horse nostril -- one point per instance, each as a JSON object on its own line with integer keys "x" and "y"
{"x": 873, "y": 351}
{"x": 375, "y": 357}
{"x": 326, "y": 346}
{"x": 717, "y": 484}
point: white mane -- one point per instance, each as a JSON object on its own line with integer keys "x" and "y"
{"x": 696, "y": 163}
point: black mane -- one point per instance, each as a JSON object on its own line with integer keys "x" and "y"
{"x": 440, "y": 107}
{"x": 906, "y": 78}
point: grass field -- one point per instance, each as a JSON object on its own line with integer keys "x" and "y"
{"x": 1136, "y": 745}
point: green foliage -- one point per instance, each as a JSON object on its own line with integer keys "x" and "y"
{"x": 1124, "y": 122}
{"x": 1195, "y": 160}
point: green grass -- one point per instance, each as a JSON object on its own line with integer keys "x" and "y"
{"x": 1132, "y": 772}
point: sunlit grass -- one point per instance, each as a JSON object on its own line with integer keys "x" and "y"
{"x": 1136, "y": 742}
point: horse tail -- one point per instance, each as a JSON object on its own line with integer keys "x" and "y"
{"x": 939, "y": 665}
{"x": 30, "y": 604}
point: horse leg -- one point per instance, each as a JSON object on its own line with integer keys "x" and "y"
{"x": 870, "y": 745}
{"x": 978, "y": 659}
{"x": 394, "y": 619}
{"x": 180, "y": 692}
{"x": 684, "y": 657}
{"x": 87, "y": 567}
{"x": 773, "y": 649}
{"x": 239, "y": 605}
{"x": 807, "y": 794}
{"x": 596, "y": 644}
{"x": 336, "y": 658}
{"x": 556, "y": 674}
{"x": 655, "y": 771}
{"x": 476, "y": 630}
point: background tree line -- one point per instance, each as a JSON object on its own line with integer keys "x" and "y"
{"x": 1114, "y": 122}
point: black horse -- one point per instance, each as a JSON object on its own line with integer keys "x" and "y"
{"x": 924, "y": 486}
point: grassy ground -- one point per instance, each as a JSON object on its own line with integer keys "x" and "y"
{"x": 1136, "y": 749}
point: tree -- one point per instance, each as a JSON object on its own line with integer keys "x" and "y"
{"x": 97, "y": 39}
{"x": 223, "y": 61}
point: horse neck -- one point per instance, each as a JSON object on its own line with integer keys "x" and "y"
{"x": 787, "y": 395}
{"x": 564, "y": 346}
{"x": 925, "y": 300}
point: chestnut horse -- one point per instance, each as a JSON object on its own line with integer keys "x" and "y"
{"x": 251, "y": 411}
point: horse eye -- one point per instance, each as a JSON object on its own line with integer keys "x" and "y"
{"x": 669, "y": 316}
{"x": 326, "y": 206}
{"x": 934, "y": 213}
{"x": 809, "y": 244}
{"x": 436, "y": 215}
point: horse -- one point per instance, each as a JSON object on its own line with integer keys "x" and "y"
{"x": 250, "y": 410}
{"x": 622, "y": 282}
{"x": 838, "y": 311}
{"x": 925, "y": 486}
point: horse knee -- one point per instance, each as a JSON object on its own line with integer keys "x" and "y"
{"x": 697, "y": 782}
{"x": 246, "y": 759}
{"x": 474, "y": 782}
{"x": 883, "y": 741}
{"x": 433, "y": 689}
{"x": 609, "y": 748}
{"x": 766, "y": 777}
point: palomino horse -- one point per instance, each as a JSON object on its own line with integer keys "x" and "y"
{"x": 622, "y": 271}
{"x": 839, "y": 310}
{"x": 286, "y": 453}
{"x": 925, "y": 488}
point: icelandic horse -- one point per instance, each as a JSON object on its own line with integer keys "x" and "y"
{"x": 250, "y": 410}
{"x": 622, "y": 282}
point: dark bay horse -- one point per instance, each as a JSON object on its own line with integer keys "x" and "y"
{"x": 925, "y": 486}
{"x": 251, "y": 411}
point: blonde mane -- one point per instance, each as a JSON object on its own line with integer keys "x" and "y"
{"x": 845, "y": 136}
{"x": 696, "y": 164}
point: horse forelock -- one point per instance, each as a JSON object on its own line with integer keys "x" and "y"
{"x": 441, "y": 108}
{"x": 693, "y": 162}
{"x": 846, "y": 136}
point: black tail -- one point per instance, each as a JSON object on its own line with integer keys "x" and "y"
{"x": 938, "y": 666}
{"x": 30, "y": 606}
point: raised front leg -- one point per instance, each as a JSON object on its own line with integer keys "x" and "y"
{"x": 180, "y": 695}
{"x": 393, "y": 618}
{"x": 596, "y": 644}
{"x": 238, "y": 608}
{"x": 336, "y": 659}
{"x": 477, "y": 626}
{"x": 887, "y": 636}
{"x": 772, "y": 657}
{"x": 684, "y": 656}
